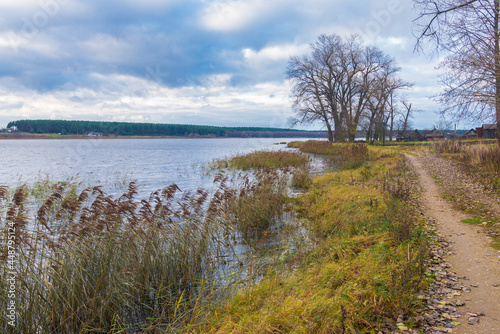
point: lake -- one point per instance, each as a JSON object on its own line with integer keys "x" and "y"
{"x": 154, "y": 163}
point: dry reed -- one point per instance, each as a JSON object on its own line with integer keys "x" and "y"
{"x": 91, "y": 263}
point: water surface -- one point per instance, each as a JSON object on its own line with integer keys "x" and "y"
{"x": 154, "y": 163}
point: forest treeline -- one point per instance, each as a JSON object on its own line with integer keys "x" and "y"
{"x": 65, "y": 127}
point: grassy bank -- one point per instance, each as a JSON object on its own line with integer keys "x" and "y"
{"x": 363, "y": 264}
{"x": 90, "y": 263}
{"x": 481, "y": 160}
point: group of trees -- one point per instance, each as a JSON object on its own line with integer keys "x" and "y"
{"x": 467, "y": 33}
{"x": 150, "y": 129}
{"x": 346, "y": 86}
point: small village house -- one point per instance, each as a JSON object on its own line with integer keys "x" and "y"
{"x": 487, "y": 131}
{"x": 434, "y": 135}
{"x": 471, "y": 134}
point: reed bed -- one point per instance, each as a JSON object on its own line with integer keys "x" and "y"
{"x": 476, "y": 154}
{"x": 263, "y": 160}
{"x": 347, "y": 155}
{"x": 86, "y": 262}
{"x": 260, "y": 202}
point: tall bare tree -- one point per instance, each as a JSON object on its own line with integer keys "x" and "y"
{"x": 406, "y": 114}
{"x": 310, "y": 103}
{"x": 468, "y": 33}
{"x": 381, "y": 104}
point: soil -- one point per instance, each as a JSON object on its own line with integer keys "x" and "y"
{"x": 476, "y": 265}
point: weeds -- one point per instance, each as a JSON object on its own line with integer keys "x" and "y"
{"x": 90, "y": 263}
{"x": 301, "y": 178}
{"x": 484, "y": 159}
{"x": 367, "y": 261}
{"x": 263, "y": 160}
{"x": 259, "y": 202}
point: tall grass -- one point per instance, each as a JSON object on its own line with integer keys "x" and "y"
{"x": 259, "y": 202}
{"x": 349, "y": 156}
{"x": 90, "y": 263}
{"x": 263, "y": 160}
{"x": 484, "y": 159}
{"x": 485, "y": 155}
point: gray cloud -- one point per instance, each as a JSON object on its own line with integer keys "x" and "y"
{"x": 211, "y": 61}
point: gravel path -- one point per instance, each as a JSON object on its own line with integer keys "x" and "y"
{"x": 476, "y": 264}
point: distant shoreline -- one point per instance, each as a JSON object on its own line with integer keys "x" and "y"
{"x": 20, "y": 136}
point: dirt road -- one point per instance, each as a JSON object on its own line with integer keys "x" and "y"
{"x": 473, "y": 258}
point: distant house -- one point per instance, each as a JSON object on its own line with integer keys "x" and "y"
{"x": 487, "y": 131}
{"x": 415, "y": 136}
{"x": 472, "y": 133}
{"x": 434, "y": 135}
{"x": 410, "y": 135}
{"x": 94, "y": 134}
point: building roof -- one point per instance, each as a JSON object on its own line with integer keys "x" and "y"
{"x": 434, "y": 133}
{"x": 489, "y": 126}
{"x": 471, "y": 132}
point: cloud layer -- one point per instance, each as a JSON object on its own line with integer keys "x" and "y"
{"x": 216, "y": 62}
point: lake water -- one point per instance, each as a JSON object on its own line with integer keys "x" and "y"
{"x": 154, "y": 163}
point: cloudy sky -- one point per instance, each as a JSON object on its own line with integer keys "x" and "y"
{"x": 214, "y": 62}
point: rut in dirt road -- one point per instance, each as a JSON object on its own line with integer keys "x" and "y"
{"x": 473, "y": 257}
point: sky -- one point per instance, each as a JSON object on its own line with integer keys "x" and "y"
{"x": 207, "y": 62}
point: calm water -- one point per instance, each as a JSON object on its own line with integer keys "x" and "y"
{"x": 154, "y": 163}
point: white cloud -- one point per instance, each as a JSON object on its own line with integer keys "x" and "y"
{"x": 275, "y": 52}
{"x": 128, "y": 98}
{"x": 233, "y": 15}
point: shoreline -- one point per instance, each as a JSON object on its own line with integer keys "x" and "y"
{"x": 5, "y": 136}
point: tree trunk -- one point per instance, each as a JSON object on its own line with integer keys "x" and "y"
{"x": 497, "y": 68}
{"x": 391, "y": 128}
{"x": 339, "y": 133}
{"x": 330, "y": 133}
{"x": 370, "y": 128}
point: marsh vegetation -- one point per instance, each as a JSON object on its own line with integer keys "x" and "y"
{"x": 88, "y": 262}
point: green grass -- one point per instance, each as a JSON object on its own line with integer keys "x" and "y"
{"x": 495, "y": 243}
{"x": 480, "y": 220}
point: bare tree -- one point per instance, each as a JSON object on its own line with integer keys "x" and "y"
{"x": 468, "y": 32}
{"x": 381, "y": 104}
{"x": 407, "y": 114}
{"x": 309, "y": 101}
{"x": 404, "y": 117}
{"x": 315, "y": 86}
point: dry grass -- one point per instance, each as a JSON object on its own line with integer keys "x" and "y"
{"x": 263, "y": 160}
{"x": 483, "y": 159}
{"x": 257, "y": 202}
{"x": 348, "y": 155}
{"x": 367, "y": 263}
{"x": 91, "y": 263}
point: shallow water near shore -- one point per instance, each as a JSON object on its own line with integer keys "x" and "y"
{"x": 154, "y": 163}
